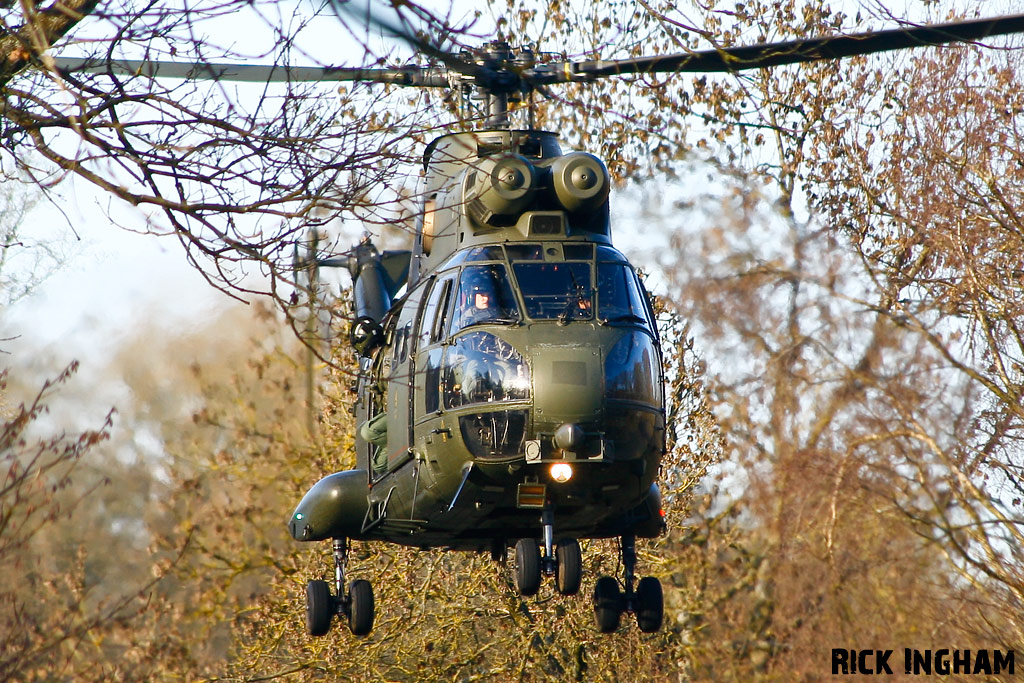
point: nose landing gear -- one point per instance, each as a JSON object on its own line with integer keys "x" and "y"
{"x": 563, "y": 562}
{"x": 356, "y": 605}
{"x": 646, "y": 601}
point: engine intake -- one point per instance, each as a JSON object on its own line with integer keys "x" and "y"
{"x": 580, "y": 181}
{"x": 500, "y": 188}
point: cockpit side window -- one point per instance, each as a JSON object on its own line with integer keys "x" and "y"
{"x": 432, "y": 320}
{"x": 619, "y": 296}
{"x": 438, "y": 324}
{"x": 485, "y": 296}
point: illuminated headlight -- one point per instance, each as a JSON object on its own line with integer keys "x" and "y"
{"x": 561, "y": 472}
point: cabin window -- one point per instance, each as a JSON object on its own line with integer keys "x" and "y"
{"x": 406, "y": 341}
{"x": 556, "y": 290}
{"x": 432, "y": 381}
{"x": 485, "y": 296}
{"x": 400, "y": 343}
{"x": 482, "y": 368}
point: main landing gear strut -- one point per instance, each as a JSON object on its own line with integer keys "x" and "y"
{"x": 356, "y": 605}
{"x": 646, "y": 601}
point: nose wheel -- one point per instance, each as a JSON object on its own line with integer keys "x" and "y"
{"x": 646, "y": 600}
{"x": 565, "y": 565}
{"x": 356, "y": 605}
{"x": 563, "y": 562}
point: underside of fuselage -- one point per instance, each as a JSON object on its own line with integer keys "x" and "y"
{"x": 483, "y": 524}
{"x": 489, "y": 509}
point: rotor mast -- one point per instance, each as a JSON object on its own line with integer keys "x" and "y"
{"x": 498, "y": 80}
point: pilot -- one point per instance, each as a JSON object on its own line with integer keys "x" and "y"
{"x": 480, "y": 304}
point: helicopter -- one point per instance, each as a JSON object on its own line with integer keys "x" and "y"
{"x": 510, "y": 386}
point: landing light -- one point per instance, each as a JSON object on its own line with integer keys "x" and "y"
{"x": 561, "y": 472}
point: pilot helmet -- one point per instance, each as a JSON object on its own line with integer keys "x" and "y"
{"x": 479, "y": 281}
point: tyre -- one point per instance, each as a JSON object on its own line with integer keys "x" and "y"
{"x": 319, "y": 608}
{"x": 650, "y": 608}
{"x": 607, "y": 604}
{"x": 527, "y": 566}
{"x": 570, "y": 567}
{"x": 360, "y": 613}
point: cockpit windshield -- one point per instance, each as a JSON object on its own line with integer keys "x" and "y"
{"x": 485, "y": 296}
{"x": 556, "y": 290}
{"x": 480, "y": 367}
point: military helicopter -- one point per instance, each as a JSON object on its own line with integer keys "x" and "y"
{"x": 512, "y": 396}
{"x": 510, "y": 381}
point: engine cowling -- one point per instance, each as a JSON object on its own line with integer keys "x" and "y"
{"x": 498, "y": 189}
{"x": 580, "y": 181}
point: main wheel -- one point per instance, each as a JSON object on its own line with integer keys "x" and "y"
{"x": 320, "y": 608}
{"x": 360, "y": 613}
{"x": 607, "y": 604}
{"x": 650, "y": 608}
{"x": 570, "y": 567}
{"x": 527, "y": 566}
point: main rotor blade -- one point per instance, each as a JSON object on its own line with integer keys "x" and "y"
{"x": 797, "y": 51}
{"x": 450, "y": 60}
{"x": 251, "y": 73}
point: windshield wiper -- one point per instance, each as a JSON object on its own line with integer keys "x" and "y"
{"x": 576, "y": 302}
{"x": 631, "y": 317}
{"x": 576, "y": 295}
{"x": 500, "y": 320}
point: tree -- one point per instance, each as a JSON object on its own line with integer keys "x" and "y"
{"x": 236, "y": 173}
{"x": 939, "y": 234}
{"x": 26, "y": 260}
{"x": 870, "y": 343}
{"x": 50, "y": 606}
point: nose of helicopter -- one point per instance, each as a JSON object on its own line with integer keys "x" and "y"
{"x": 568, "y": 384}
